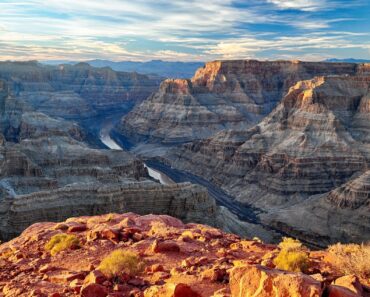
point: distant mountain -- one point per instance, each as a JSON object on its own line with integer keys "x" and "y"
{"x": 158, "y": 67}
{"x": 349, "y": 60}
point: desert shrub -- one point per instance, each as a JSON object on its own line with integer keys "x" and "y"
{"x": 290, "y": 244}
{"x": 293, "y": 256}
{"x": 61, "y": 242}
{"x": 119, "y": 262}
{"x": 292, "y": 260}
{"x": 352, "y": 258}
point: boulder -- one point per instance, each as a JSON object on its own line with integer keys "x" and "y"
{"x": 165, "y": 246}
{"x": 256, "y": 280}
{"x": 94, "y": 290}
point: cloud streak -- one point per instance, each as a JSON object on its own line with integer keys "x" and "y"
{"x": 173, "y": 30}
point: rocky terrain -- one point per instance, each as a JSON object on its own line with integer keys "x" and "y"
{"x": 221, "y": 95}
{"x": 131, "y": 255}
{"x": 48, "y": 172}
{"x": 75, "y": 91}
{"x": 295, "y": 163}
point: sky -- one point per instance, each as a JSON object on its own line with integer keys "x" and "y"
{"x": 184, "y": 30}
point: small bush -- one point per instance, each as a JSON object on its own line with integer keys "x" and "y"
{"x": 61, "y": 242}
{"x": 290, "y": 244}
{"x": 119, "y": 262}
{"x": 293, "y": 256}
{"x": 292, "y": 260}
{"x": 352, "y": 258}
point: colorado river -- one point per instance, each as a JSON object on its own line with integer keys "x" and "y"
{"x": 109, "y": 142}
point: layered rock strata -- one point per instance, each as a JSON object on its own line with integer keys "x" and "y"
{"x": 77, "y": 91}
{"x": 221, "y": 95}
{"x": 315, "y": 140}
{"x": 47, "y": 172}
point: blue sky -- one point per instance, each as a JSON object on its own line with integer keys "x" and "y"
{"x": 184, "y": 30}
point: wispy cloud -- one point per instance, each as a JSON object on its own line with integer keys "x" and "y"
{"x": 174, "y": 30}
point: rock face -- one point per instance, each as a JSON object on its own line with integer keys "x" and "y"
{"x": 77, "y": 91}
{"x": 47, "y": 172}
{"x": 206, "y": 262}
{"x": 221, "y": 95}
{"x": 315, "y": 141}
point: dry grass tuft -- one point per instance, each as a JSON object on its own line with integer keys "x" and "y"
{"x": 293, "y": 256}
{"x": 119, "y": 262}
{"x": 61, "y": 242}
{"x": 352, "y": 258}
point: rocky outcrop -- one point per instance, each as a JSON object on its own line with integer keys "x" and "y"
{"x": 159, "y": 256}
{"x": 221, "y": 95}
{"x": 78, "y": 91}
{"x": 315, "y": 140}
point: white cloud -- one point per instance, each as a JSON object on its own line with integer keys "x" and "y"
{"x": 305, "y": 5}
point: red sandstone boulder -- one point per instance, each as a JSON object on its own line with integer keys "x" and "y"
{"x": 171, "y": 290}
{"x": 94, "y": 290}
{"x": 256, "y": 280}
{"x": 165, "y": 246}
{"x": 350, "y": 282}
{"x": 337, "y": 291}
{"x": 95, "y": 277}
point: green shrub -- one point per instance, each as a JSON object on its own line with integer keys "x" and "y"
{"x": 119, "y": 262}
{"x": 352, "y": 258}
{"x": 61, "y": 242}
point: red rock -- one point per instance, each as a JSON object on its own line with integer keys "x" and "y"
{"x": 214, "y": 274}
{"x": 350, "y": 282}
{"x": 256, "y": 280}
{"x": 337, "y": 291}
{"x": 165, "y": 246}
{"x": 94, "y": 290}
{"x": 182, "y": 290}
{"x": 95, "y": 277}
{"x": 111, "y": 234}
{"x": 76, "y": 227}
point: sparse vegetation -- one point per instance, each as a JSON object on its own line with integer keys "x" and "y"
{"x": 119, "y": 262}
{"x": 293, "y": 256}
{"x": 61, "y": 242}
{"x": 352, "y": 258}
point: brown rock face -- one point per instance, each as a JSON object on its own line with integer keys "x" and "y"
{"x": 264, "y": 282}
{"x": 316, "y": 141}
{"x": 74, "y": 91}
{"x": 222, "y": 95}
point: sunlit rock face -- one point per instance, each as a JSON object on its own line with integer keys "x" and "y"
{"x": 314, "y": 142}
{"x": 77, "y": 91}
{"x": 221, "y": 95}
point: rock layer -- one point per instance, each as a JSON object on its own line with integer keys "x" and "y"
{"x": 48, "y": 173}
{"x": 312, "y": 143}
{"x": 77, "y": 91}
{"x": 221, "y": 95}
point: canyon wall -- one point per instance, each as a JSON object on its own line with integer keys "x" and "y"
{"x": 221, "y": 95}
{"x": 301, "y": 163}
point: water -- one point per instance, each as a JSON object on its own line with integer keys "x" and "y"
{"x": 109, "y": 142}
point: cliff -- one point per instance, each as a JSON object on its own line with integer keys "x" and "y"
{"x": 221, "y": 95}
{"x": 315, "y": 141}
{"x": 75, "y": 91}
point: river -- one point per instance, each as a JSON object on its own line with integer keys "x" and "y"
{"x": 109, "y": 142}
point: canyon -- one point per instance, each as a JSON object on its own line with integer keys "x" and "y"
{"x": 255, "y": 146}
